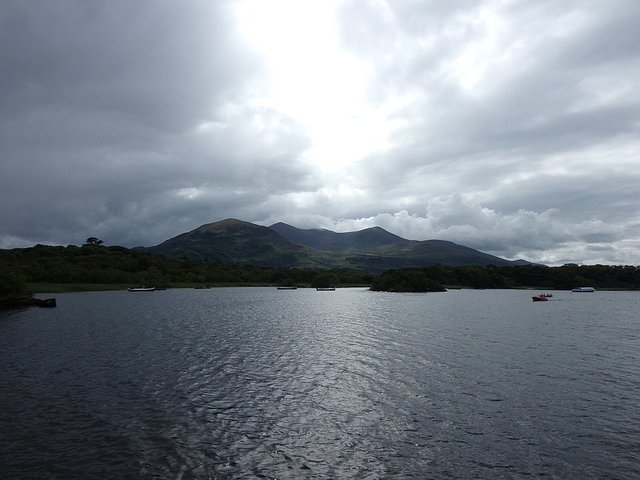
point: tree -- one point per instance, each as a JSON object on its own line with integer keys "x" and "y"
{"x": 12, "y": 285}
{"x": 323, "y": 280}
{"x": 406, "y": 280}
{"x": 93, "y": 241}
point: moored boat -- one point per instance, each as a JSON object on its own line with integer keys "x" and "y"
{"x": 141, "y": 289}
{"x": 325, "y": 289}
{"x": 26, "y": 301}
{"x": 45, "y": 303}
{"x": 583, "y": 290}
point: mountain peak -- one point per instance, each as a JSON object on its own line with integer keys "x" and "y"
{"x": 230, "y": 241}
{"x": 228, "y": 224}
{"x": 233, "y": 241}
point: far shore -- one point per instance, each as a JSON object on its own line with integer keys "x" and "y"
{"x": 39, "y": 288}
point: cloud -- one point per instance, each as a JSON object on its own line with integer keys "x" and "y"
{"x": 113, "y": 111}
{"x": 507, "y": 126}
{"x": 521, "y": 109}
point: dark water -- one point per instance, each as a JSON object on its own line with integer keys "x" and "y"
{"x": 261, "y": 383}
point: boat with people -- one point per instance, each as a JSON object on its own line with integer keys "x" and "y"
{"x": 141, "y": 289}
{"x": 540, "y": 298}
{"x": 583, "y": 290}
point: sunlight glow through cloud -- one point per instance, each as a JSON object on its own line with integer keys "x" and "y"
{"x": 312, "y": 80}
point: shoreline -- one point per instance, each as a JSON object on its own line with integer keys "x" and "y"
{"x": 40, "y": 288}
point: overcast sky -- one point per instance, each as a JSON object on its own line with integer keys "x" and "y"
{"x": 512, "y": 127}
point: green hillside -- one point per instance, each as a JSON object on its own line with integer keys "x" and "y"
{"x": 367, "y": 240}
{"x": 235, "y": 242}
{"x": 376, "y": 250}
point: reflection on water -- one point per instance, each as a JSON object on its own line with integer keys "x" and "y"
{"x": 256, "y": 382}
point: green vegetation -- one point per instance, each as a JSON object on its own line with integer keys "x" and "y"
{"x": 14, "y": 291}
{"x": 406, "y": 280}
{"x": 12, "y": 285}
{"x": 97, "y": 267}
{"x": 614, "y": 277}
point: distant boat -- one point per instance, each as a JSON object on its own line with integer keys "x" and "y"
{"x": 287, "y": 288}
{"x": 540, "y": 298}
{"x": 26, "y": 301}
{"x": 46, "y": 303}
{"x": 584, "y": 290}
{"x": 141, "y": 289}
{"x": 325, "y": 289}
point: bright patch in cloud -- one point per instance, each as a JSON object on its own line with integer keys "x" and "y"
{"x": 312, "y": 80}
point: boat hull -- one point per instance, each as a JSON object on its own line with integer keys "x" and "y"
{"x": 583, "y": 290}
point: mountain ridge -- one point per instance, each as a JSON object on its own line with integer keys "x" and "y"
{"x": 231, "y": 241}
{"x": 328, "y": 240}
{"x": 374, "y": 249}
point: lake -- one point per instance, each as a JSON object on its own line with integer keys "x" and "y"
{"x": 266, "y": 383}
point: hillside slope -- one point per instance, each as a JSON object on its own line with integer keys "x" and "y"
{"x": 233, "y": 242}
{"x": 236, "y": 242}
{"x": 376, "y": 250}
{"x": 325, "y": 240}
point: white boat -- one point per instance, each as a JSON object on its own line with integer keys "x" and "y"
{"x": 325, "y": 289}
{"x": 141, "y": 289}
{"x": 584, "y": 289}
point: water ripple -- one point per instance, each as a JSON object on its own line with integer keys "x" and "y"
{"x": 259, "y": 383}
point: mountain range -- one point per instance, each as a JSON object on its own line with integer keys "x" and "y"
{"x": 373, "y": 249}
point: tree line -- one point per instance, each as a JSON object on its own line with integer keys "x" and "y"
{"x": 94, "y": 263}
{"x": 566, "y": 277}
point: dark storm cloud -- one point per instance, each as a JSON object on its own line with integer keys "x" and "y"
{"x": 111, "y": 111}
{"x": 149, "y": 62}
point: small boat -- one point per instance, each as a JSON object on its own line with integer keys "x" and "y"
{"x": 45, "y": 303}
{"x": 583, "y": 290}
{"x": 141, "y": 289}
{"x": 287, "y": 288}
{"x": 540, "y": 298}
{"x": 325, "y": 289}
{"x": 26, "y": 301}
